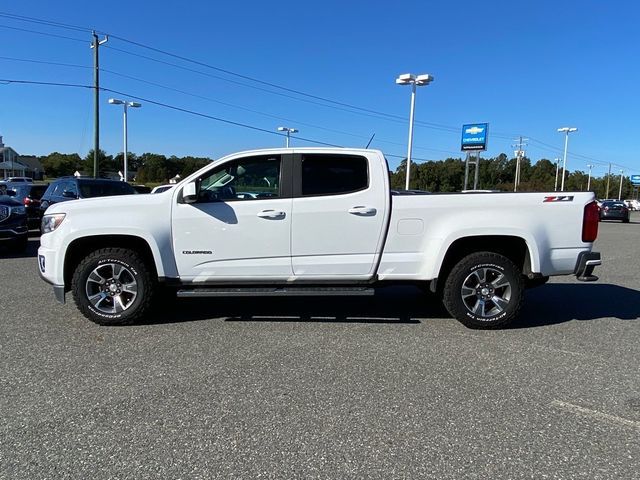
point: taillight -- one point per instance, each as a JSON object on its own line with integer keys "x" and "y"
{"x": 590, "y": 221}
{"x": 26, "y": 201}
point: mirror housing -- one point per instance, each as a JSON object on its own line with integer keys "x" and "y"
{"x": 190, "y": 192}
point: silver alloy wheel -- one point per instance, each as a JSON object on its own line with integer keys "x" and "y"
{"x": 486, "y": 292}
{"x": 111, "y": 288}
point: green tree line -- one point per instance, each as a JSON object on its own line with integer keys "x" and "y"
{"x": 148, "y": 167}
{"x": 498, "y": 173}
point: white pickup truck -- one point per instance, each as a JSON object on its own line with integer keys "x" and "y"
{"x": 313, "y": 221}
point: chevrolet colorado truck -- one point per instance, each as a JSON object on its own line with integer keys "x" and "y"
{"x": 313, "y": 221}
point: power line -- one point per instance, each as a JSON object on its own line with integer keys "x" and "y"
{"x": 44, "y": 62}
{"x": 184, "y": 92}
{"x": 53, "y": 84}
{"x": 184, "y": 110}
{"x": 42, "y": 33}
{"x": 577, "y": 155}
{"x": 333, "y": 103}
{"x": 162, "y": 104}
{"x": 24, "y": 18}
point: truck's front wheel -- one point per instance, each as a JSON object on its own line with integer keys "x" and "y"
{"x": 113, "y": 286}
{"x": 484, "y": 290}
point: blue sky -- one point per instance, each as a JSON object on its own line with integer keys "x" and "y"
{"x": 526, "y": 68}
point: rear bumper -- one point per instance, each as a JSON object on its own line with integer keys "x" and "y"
{"x": 585, "y": 264}
{"x": 614, "y": 215}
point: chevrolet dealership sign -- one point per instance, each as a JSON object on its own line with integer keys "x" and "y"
{"x": 474, "y": 136}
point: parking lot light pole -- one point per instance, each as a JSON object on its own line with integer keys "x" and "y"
{"x": 126, "y": 104}
{"x": 589, "y": 180}
{"x": 289, "y": 131}
{"x": 566, "y": 131}
{"x": 620, "y": 191}
{"x": 413, "y": 80}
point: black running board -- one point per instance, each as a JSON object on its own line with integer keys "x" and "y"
{"x": 275, "y": 292}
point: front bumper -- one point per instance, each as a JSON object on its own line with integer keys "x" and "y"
{"x": 50, "y": 270}
{"x": 58, "y": 290}
{"x": 585, "y": 264}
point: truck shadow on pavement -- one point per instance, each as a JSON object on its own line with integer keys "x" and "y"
{"x": 558, "y": 303}
{"x": 30, "y": 252}
{"x": 405, "y": 305}
{"x": 547, "y": 305}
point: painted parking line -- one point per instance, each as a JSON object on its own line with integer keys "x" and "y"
{"x": 594, "y": 414}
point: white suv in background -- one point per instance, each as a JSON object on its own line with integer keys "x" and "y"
{"x": 633, "y": 205}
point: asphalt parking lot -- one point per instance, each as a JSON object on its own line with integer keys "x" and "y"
{"x": 326, "y": 388}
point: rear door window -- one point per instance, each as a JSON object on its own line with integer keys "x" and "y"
{"x": 326, "y": 174}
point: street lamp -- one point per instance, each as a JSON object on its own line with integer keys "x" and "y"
{"x": 413, "y": 80}
{"x": 589, "y": 180}
{"x": 126, "y": 104}
{"x": 289, "y": 132}
{"x": 566, "y": 131}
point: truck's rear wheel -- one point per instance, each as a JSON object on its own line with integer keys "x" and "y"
{"x": 113, "y": 286}
{"x": 484, "y": 290}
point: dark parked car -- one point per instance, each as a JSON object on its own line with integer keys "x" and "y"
{"x": 614, "y": 210}
{"x": 71, "y": 188}
{"x": 13, "y": 224}
{"x": 141, "y": 188}
{"x": 29, "y": 195}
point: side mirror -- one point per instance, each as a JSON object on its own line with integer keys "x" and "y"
{"x": 190, "y": 192}
{"x": 69, "y": 194}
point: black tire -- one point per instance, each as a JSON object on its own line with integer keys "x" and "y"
{"x": 117, "y": 303}
{"x": 501, "y": 291}
{"x": 19, "y": 245}
{"x": 626, "y": 220}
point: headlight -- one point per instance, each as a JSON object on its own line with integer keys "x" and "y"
{"x": 19, "y": 210}
{"x": 51, "y": 222}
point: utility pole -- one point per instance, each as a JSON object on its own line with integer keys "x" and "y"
{"x": 95, "y": 44}
{"x": 620, "y": 191}
{"x": 608, "y": 179}
{"x": 519, "y": 157}
{"x": 589, "y": 180}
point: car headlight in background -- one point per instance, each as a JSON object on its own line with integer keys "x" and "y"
{"x": 51, "y": 222}
{"x": 19, "y": 210}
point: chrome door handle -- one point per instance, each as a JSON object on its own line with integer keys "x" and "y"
{"x": 272, "y": 214}
{"x": 362, "y": 210}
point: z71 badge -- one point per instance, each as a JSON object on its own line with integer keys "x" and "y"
{"x": 559, "y": 198}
